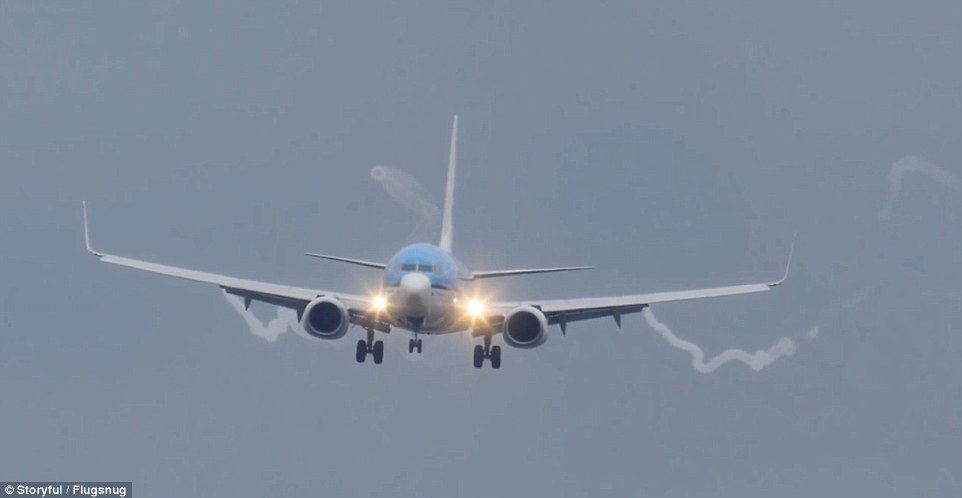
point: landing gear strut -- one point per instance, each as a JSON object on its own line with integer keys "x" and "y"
{"x": 376, "y": 348}
{"x": 415, "y": 343}
{"x": 487, "y": 351}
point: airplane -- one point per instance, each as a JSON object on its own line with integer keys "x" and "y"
{"x": 424, "y": 291}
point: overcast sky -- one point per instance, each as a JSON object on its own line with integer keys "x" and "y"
{"x": 672, "y": 145}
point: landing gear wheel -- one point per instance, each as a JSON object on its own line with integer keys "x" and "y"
{"x": 418, "y": 345}
{"x": 495, "y": 357}
{"x": 478, "y": 356}
{"x": 361, "y": 351}
{"x": 378, "y": 352}
{"x": 411, "y": 346}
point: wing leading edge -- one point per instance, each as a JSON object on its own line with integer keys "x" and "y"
{"x": 353, "y": 261}
{"x": 563, "y": 311}
{"x": 276, "y": 294}
{"x": 525, "y": 271}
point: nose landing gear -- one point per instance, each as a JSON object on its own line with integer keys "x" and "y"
{"x": 487, "y": 351}
{"x": 375, "y": 348}
{"x": 414, "y": 345}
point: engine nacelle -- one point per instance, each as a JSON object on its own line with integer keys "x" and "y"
{"x": 326, "y": 318}
{"x": 525, "y": 327}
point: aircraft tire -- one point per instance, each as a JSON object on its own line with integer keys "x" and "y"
{"x": 496, "y": 357}
{"x": 419, "y": 344}
{"x": 361, "y": 351}
{"x": 378, "y": 352}
{"x": 478, "y": 356}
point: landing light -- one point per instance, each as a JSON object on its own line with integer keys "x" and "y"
{"x": 379, "y": 303}
{"x": 475, "y": 308}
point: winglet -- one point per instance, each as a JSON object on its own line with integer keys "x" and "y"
{"x": 788, "y": 265}
{"x": 87, "y": 234}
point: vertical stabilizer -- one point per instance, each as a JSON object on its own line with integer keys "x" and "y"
{"x": 446, "y": 228}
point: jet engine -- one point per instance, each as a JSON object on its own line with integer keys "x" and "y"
{"x": 525, "y": 327}
{"x": 326, "y": 318}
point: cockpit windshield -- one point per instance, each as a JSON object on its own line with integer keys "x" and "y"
{"x": 421, "y": 268}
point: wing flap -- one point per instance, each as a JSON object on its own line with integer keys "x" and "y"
{"x": 579, "y": 315}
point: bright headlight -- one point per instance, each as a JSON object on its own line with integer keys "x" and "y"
{"x": 379, "y": 303}
{"x": 475, "y": 308}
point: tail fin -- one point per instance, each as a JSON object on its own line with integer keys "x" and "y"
{"x": 446, "y": 227}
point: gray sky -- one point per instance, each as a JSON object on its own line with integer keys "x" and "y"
{"x": 672, "y": 145}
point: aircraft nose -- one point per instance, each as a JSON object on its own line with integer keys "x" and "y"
{"x": 414, "y": 294}
{"x": 415, "y": 283}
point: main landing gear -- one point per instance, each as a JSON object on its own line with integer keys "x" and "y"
{"x": 376, "y": 348}
{"x": 487, "y": 351}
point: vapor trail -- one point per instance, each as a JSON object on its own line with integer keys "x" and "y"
{"x": 286, "y": 318}
{"x": 408, "y": 191}
{"x": 756, "y": 361}
{"x": 913, "y": 164}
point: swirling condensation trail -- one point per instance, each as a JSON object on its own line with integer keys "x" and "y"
{"x": 407, "y": 191}
{"x": 756, "y": 361}
{"x": 787, "y": 346}
{"x": 286, "y": 319}
{"x": 784, "y": 347}
{"x": 914, "y": 164}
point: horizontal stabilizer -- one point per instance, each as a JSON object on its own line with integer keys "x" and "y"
{"x": 360, "y": 262}
{"x": 526, "y": 271}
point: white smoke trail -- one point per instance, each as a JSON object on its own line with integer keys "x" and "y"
{"x": 913, "y": 164}
{"x": 286, "y": 318}
{"x": 756, "y": 361}
{"x": 408, "y": 191}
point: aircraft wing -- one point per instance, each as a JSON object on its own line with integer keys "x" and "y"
{"x": 563, "y": 311}
{"x": 525, "y": 271}
{"x": 251, "y": 290}
{"x": 359, "y": 262}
